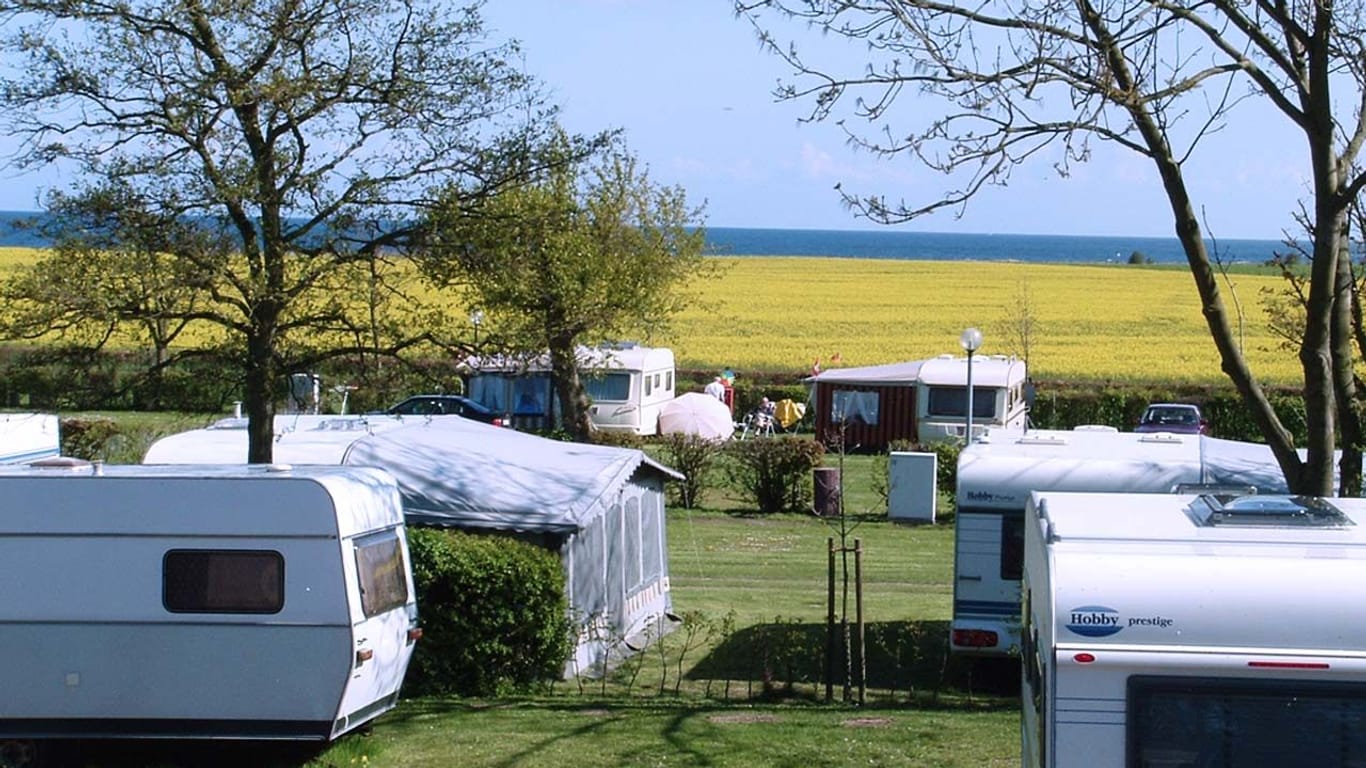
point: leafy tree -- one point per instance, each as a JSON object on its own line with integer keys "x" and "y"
{"x": 590, "y": 252}
{"x": 1022, "y": 80}
{"x": 304, "y": 134}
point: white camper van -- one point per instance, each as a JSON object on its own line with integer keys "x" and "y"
{"x": 257, "y": 602}
{"x": 1182, "y": 631}
{"x": 628, "y": 385}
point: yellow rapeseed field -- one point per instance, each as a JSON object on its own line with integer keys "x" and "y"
{"x": 1101, "y": 322}
{"x": 1118, "y": 323}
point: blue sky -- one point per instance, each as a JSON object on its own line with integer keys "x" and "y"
{"x": 690, "y": 87}
{"x": 688, "y": 83}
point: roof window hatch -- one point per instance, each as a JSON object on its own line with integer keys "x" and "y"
{"x": 1222, "y": 511}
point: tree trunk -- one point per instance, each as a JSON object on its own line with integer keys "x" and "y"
{"x": 569, "y": 388}
{"x": 1349, "y": 417}
{"x": 261, "y": 378}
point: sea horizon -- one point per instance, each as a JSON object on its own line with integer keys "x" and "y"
{"x": 896, "y": 244}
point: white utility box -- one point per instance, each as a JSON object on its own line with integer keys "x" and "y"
{"x": 913, "y": 488}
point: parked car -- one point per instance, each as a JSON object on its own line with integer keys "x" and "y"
{"x": 444, "y": 405}
{"x": 1173, "y": 417}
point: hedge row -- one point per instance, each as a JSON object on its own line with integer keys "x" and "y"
{"x": 59, "y": 380}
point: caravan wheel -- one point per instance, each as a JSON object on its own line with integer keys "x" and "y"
{"x": 19, "y": 753}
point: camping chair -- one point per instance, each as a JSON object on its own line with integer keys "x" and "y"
{"x": 757, "y": 423}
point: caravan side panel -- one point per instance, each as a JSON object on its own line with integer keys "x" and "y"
{"x": 150, "y": 604}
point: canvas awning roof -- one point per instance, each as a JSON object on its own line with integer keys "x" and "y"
{"x": 891, "y": 373}
{"x": 453, "y": 471}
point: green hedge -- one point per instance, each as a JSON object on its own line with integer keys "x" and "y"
{"x": 1066, "y": 405}
{"x": 494, "y": 614}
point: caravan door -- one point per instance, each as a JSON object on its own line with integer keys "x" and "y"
{"x": 384, "y": 625}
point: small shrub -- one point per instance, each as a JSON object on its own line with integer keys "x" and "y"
{"x": 88, "y": 438}
{"x": 693, "y": 456}
{"x": 775, "y": 472}
{"x": 617, "y": 439}
{"x": 493, "y": 611}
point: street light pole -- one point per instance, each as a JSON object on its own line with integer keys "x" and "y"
{"x": 476, "y": 317}
{"x": 971, "y": 340}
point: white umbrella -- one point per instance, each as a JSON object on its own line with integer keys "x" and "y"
{"x": 696, "y": 413}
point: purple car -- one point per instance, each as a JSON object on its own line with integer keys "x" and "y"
{"x": 1173, "y": 417}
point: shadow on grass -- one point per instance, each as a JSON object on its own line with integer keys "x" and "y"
{"x": 906, "y": 661}
{"x": 112, "y": 753}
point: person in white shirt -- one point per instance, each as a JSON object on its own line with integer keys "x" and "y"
{"x": 716, "y": 389}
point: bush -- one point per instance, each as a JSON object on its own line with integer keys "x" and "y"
{"x": 88, "y": 438}
{"x": 775, "y": 472}
{"x": 493, "y": 611}
{"x": 693, "y": 456}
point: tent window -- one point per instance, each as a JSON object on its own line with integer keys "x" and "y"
{"x": 631, "y": 530}
{"x": 648, "y": 384}
{"x": 669, "y": 381}
{"x": 587, "y": 578}
{"x": 489, "y": 390}
{"x": 651, "y": 543}
{"x": 852, "y": 406}
{"x": 615, "y": 387}
{"x": 529, "y": 393}
{"x": 383, "y": 580}
{"x": 223, "y": 581}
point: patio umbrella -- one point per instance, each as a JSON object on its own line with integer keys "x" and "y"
{"x": 696, "y": 413}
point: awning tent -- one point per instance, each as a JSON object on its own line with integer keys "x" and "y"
{"x": 600, "y": 507}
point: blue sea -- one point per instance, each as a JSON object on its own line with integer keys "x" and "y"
{"x": 896, "y": 244}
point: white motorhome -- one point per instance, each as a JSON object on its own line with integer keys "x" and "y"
{"x": 998, "y": 396}
{"x": 628, "y": 385}
{"x": 1183, "y": 631}
{"x": 258, "y": 602}
{"x": 997, "y": 474}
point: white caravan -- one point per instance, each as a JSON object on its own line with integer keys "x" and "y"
{"x": 941, "y": 396}
{"x": 1182, "y": 631}
{"x": 256, "y": 602}
{"x": 997, "y": 474}
{"x": 627, "y": 384}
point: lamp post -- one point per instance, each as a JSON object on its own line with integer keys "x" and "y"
{"x": 476, "y": 317}
{"x": 971, "y": 340}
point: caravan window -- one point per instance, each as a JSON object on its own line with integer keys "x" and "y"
{"x": 953, "y": 401}
{"x": 383, "y": 580}
{"x": 1012, "y": 546}
{"x": 223, "y": 581}
{"x": 608, "y": 387}
{"x": 1232, "y": 722}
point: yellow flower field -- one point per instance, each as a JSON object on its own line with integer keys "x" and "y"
{"x": 1102, "y": 322}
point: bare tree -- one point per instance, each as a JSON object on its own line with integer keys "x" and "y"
{"x": 1023, "y": 80}
{"x": 306, "y": 133}
{"x": 1020, "y": 321}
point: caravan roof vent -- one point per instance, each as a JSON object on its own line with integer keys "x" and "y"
{"x": 1029, "y": 439}
{"x": 1160, "y": 437}
{"x": 1213, "y": 511}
